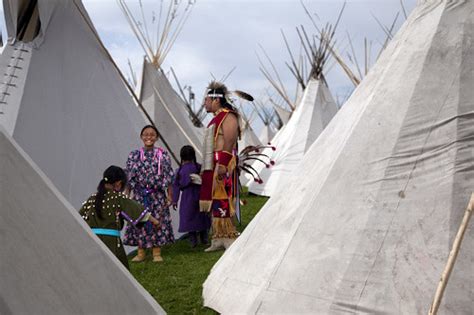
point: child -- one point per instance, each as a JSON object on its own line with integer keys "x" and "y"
{"x": 187, "y": 185}
{"x": 106, "y": 210}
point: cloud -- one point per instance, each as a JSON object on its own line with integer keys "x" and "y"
{"x": 221, "y": 34}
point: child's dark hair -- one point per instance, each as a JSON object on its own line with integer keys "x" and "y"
{"x": 149, "y": 126}
{"x": 187, "y": 153}
{"x": 112, "y": 175}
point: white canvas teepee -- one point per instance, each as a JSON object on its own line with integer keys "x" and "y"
{"x": 63, "y": 100}
{"x": 247, "y": 134}
{"x": 310, "y": 117}
{"x": 266, "y": 134}
{"x": 168, "y": 111}
{"x": 248, "y": 137}
{"x": 366, "y": 222}
{"x": 268, "y": 131}
{"x": 51, "y": 261}
{"x": 283, "y": 114}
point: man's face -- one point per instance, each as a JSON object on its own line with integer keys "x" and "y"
{"x": 211, "y": 105}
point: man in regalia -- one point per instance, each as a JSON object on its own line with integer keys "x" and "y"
{"x": 219, "y": 178}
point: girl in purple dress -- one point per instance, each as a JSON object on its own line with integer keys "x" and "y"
{"x": 186, "y": 185}
{"x": 149, "y": 179}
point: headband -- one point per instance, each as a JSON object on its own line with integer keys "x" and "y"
{"x": 215, "y": 95}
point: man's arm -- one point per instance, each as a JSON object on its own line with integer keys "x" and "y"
{"x": 230, "y": 127}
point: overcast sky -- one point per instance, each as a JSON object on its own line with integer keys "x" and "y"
{"x": 221, "y": 34}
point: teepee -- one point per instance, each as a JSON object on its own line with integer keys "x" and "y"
{"x": 312, "y": 114}
{"x": 266, "y": 134}
{"x": 268, "y": 131}
{"x": 366, "y": 222}
{"x": 247, "y": 134}
{"x": 310, "y": 117}
{"x": 63, "y": 100}
{"x": 52, "y": 263}
{"x": 175, "y": 118}
{"x": 248, "y": 138}
{"x": 283, "y": 114}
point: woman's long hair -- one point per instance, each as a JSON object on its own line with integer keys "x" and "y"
{"x": 112, "y": 175}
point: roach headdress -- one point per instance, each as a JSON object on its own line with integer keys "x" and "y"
{"x": 217, "y": 89}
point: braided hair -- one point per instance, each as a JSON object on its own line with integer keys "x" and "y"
{"x": 111, "y": 175}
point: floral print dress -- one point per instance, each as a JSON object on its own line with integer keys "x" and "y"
{"x": 149, "y": 174}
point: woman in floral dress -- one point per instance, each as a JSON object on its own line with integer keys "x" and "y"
{"x": 150, "y": 177}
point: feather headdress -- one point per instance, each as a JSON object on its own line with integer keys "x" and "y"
{"x": 243, "y": 95}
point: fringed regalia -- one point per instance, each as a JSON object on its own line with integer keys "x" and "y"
{"x": 218, "y": 195}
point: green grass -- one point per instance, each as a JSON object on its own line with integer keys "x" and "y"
{"x": 177, "y": 282}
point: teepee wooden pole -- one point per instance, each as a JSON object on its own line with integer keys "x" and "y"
{"x": 277, "y": 83}
{"x": 403, "y": 9}
{"x": 452, "y": 258}
{"x": 354, "y": 56}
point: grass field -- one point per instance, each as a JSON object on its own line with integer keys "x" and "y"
{"x": 177, "y": 282}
